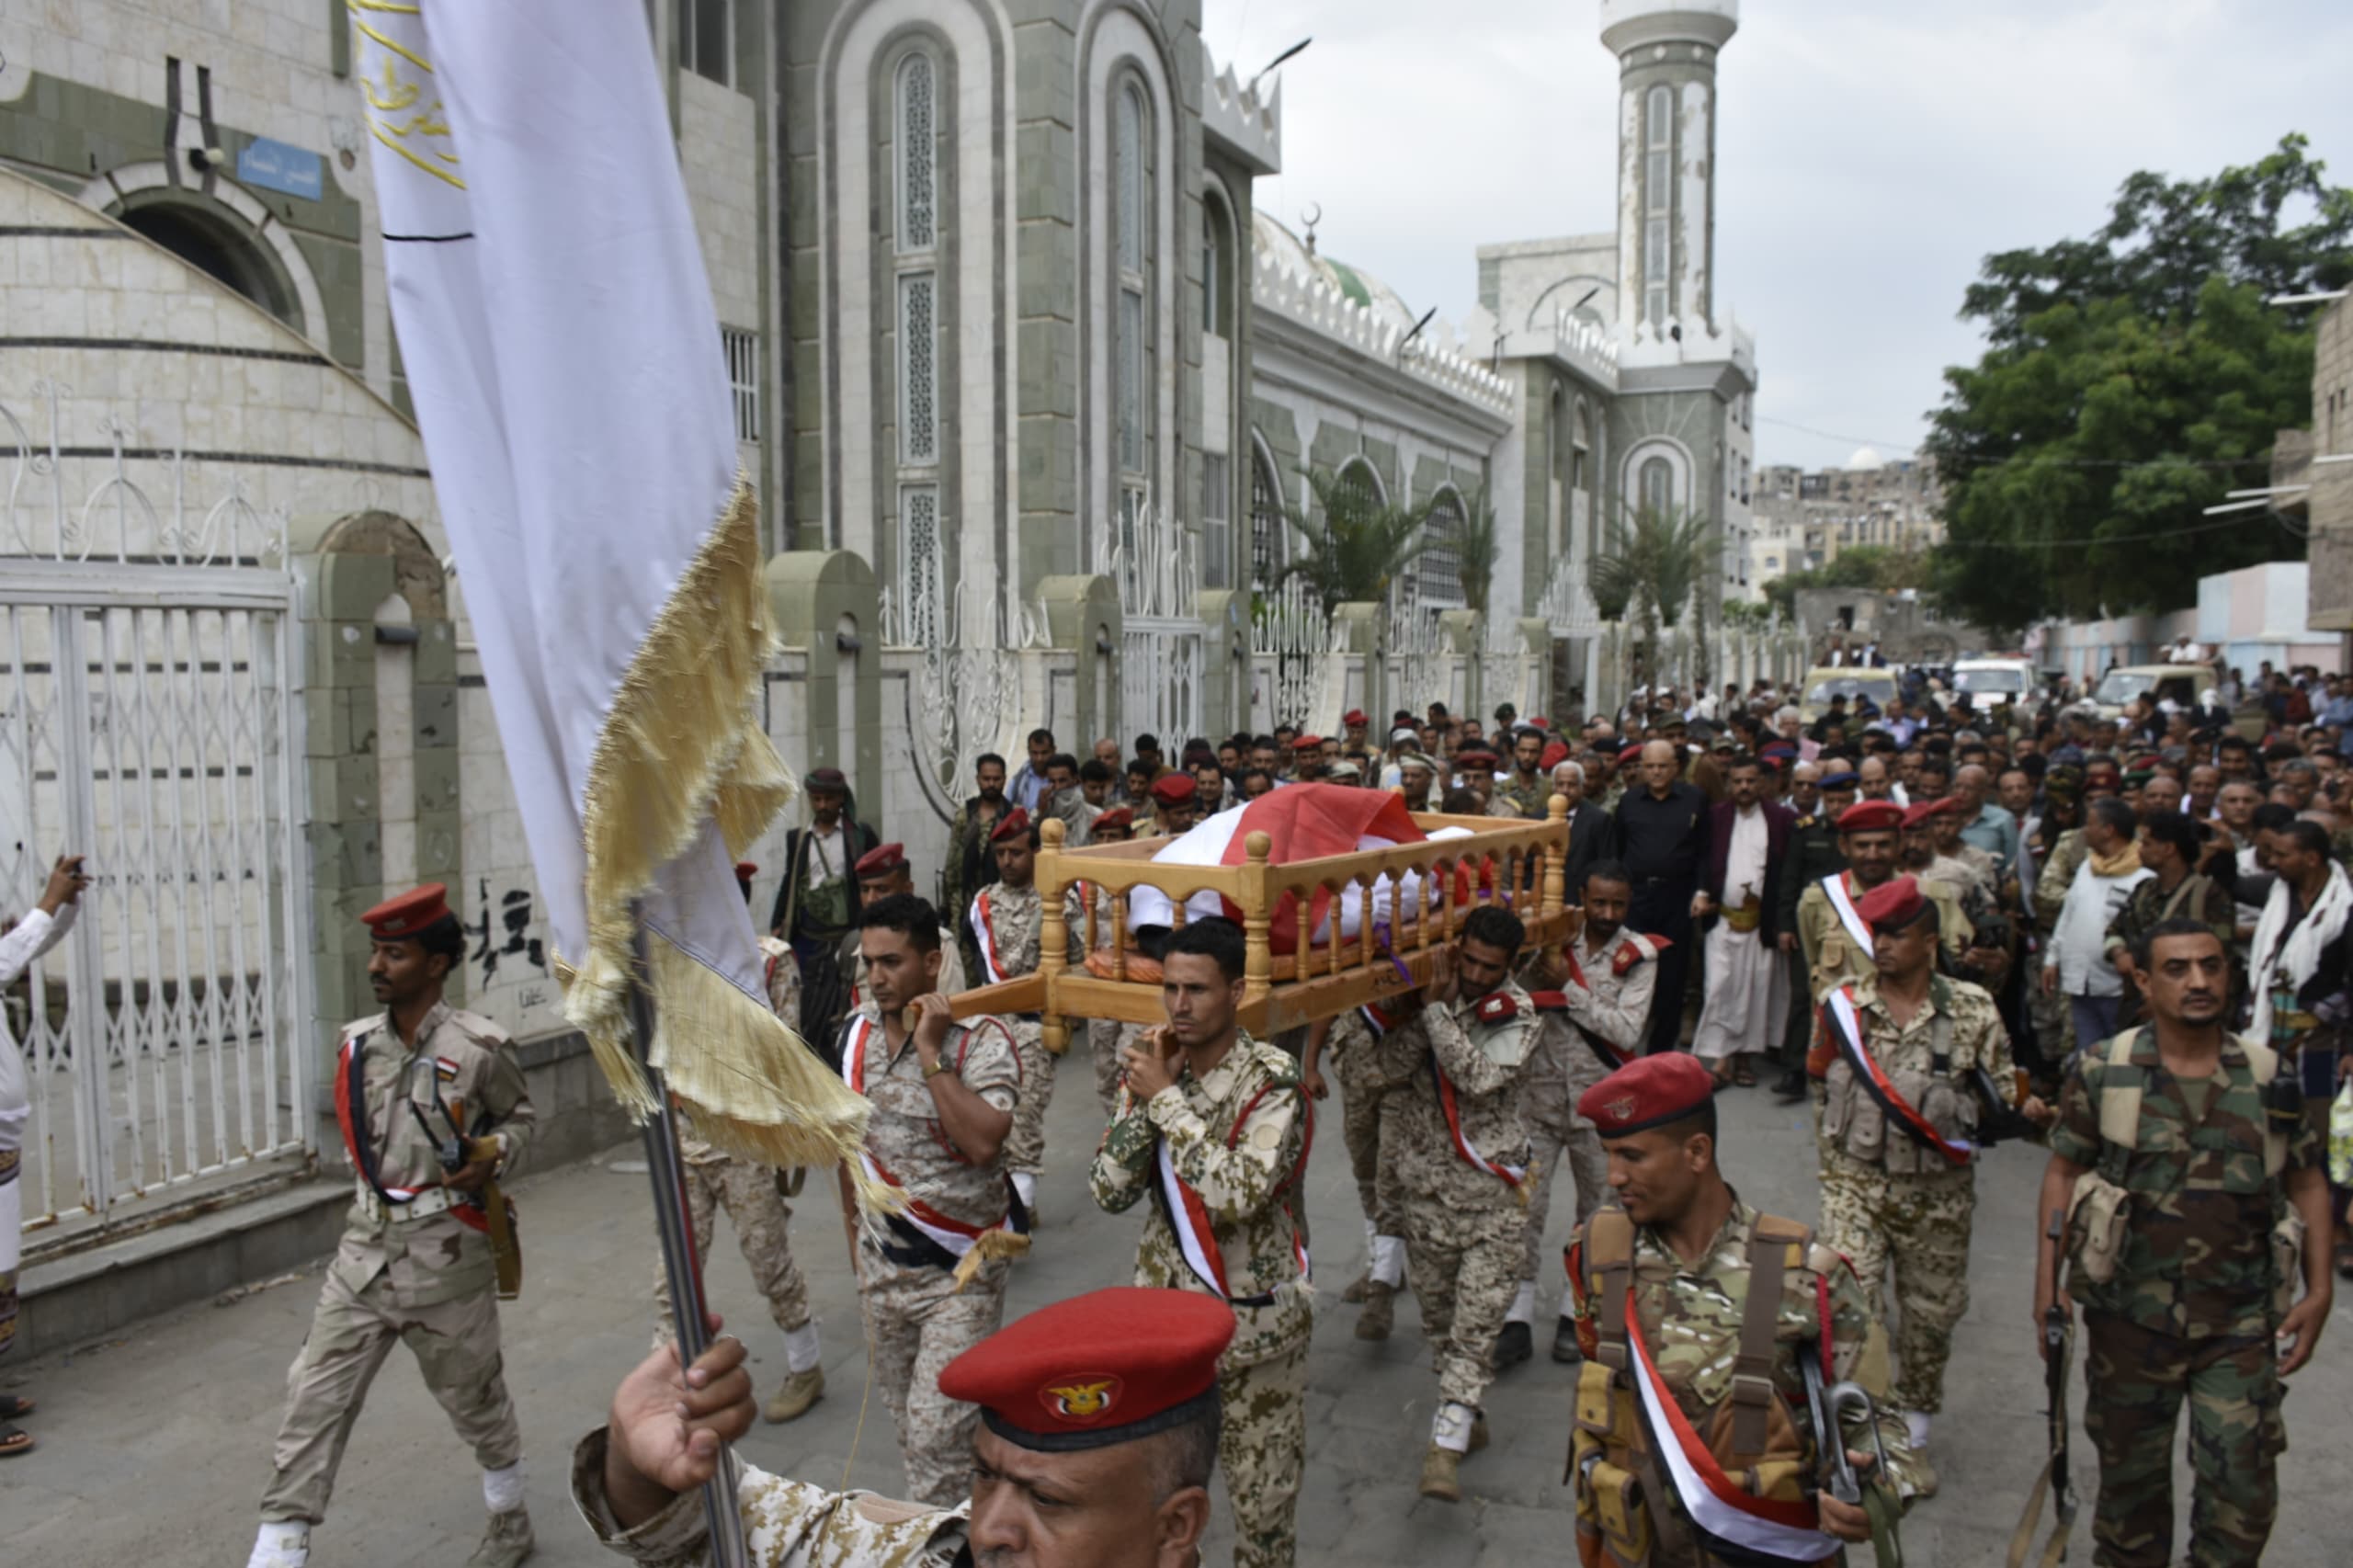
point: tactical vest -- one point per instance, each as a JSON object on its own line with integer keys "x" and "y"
{"x": 1617, "y": 1459}
{"x": 1899, "y": 1117}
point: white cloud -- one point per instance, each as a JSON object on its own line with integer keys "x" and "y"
{"x": 1871, "y": 153}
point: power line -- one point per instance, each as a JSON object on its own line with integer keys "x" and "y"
{"x": 2239, "y": 521}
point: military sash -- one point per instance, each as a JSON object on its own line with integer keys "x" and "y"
{"x": 1847, "y": 1035}
{"x": 1494, "y": 1009}
{"x": 351, "y": 1117}
{"x": 956, "y": 1238}
{"x": 1734, "y": 1525}
{"x": 1187, "y": 1212}
{"x": 1843, "y": 904}
{"x": 980, "y": 920}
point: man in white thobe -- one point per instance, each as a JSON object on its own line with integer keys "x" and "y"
{"x": 1747, "y": 997}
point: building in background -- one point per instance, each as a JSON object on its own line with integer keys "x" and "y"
{"x": 1805, "y": 519}
{"x": 1029, "y": 389}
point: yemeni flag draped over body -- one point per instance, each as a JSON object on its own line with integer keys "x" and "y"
{"x": 557, "y": 333}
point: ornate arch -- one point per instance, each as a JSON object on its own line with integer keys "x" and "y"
{"x": 232, "y": 213}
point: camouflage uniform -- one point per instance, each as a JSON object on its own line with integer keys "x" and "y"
{"x": 1237, "y": 1137}
{"x": 2195, "y": 897}
{"x": 1009, "y": 922}
{"x": 1690, "y": 1315}
{"x": 2189, "y": 1312}
{"x": 952, "y": 969}
{"x": 1886, "y": 1200}
{"x": 1615, "y": 1004}
{"x": 1465, "y": 1228}
{"x": 746, "y": 1190}
{"x": 916, "y": 1320}
{"x": 429, "y": 1281}
{"x": 787, "y": 1524}
{"x": 1832, "y": 956}
{"x": 1349, "y": 1048}
{"x": 1529, "y": 798}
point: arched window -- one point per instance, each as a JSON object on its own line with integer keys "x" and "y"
{"x": 1132, "y": 206}
{"x": 216, "y": 247}
{"x": 1217, "y": 267}
{"x": 1658, "y": 199}
{"x": 1440, "y": 562}
{"x": 916, "y": 242}
{"x": 1657, "y": 485}
{"x": 1267, "y": 526}
{"x": 1357, "y": 476}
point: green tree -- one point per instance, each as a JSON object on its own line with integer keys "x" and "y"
{"x": 1476, "y": 551}
{"x": 2130, "y": 380}
{"x": 1354, "y": 544}
{"x": 1878, "y": 566}
{"x": 1651, "y": 568}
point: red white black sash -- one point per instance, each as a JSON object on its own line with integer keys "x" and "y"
{"x": 1843, "y": 902}
{"x": 951, "y": 1234}
{"x": 980, "y": 922}
{"x": 1510, "y": 1175}
{"x": 1612, "y": 1057}
{"x": 1847, "y": 1034}
{"x": 351, "y": 1116}
{"x": 1187, "y": 1212}
{"x": 1735, "y": 1525}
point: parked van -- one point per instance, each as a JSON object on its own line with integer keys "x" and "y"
{"x": 1852, "y": 682}
{"x": 1992, "y": 682}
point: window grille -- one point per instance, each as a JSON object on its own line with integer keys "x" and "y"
{"x": 743, "y": 380}
{"x": 919, "y": 368}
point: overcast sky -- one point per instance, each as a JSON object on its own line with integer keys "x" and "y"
{"x": 1871, "y": 152}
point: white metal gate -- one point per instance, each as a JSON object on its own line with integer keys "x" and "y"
{"x": 1290, "y": 664}
{"x": 1160, "y": 657}
{"x": 147, "y": 721}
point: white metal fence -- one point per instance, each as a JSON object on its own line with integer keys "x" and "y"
{"x": 1162, "y": 666}
{"x": 147, "y": 702}
{"x": 1292, "y": 666}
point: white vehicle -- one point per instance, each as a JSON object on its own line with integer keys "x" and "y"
{"x": 1990, "y": 682}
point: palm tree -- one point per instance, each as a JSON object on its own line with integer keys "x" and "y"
{"x": 1476, "y": 551}
{"x": 1654, "y": 566}
{"x": 1355, "y": 545}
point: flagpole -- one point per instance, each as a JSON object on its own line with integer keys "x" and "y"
{"x": 680, "y": 1268}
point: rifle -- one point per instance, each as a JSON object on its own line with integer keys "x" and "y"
{"x": 1835, "y": 1472}
{"x": 2058, "y": 1340}
{"x": 454, "y": 1154}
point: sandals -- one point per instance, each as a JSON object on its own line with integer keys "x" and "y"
{"x": 14, "y": 1441}
{"x": 14, "y": 1406}
{"x": 1742, "y": 1074}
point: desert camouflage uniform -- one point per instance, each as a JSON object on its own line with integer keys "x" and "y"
{"x": 1465, "y": 1228}
{"x": 1016, "y": 922}
{"x": 2189, "y": 1312}
{"x": 916, "y": 1321}
{"x": 1237, "y": 1137}
{"x": 1907, "y": 1205}
{"x": 1531, "y": 798}
{"x": 1615, "y": 1004}
{"x": 746, "y": 1190}
{"x": 1690, "y": 1315}
{"x": 1832, "y": 956}
{"x": 787, "y": 1524}
{"x": 430, "y": 1282}
{"x": 1349, "y": 1050}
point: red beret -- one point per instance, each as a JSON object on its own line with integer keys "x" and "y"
{"x": 1174, "y": 789}
{"x": 1629, "y": 752}
{"x": 1894, "y": 905}
{"x": 881, "y": 861}
{"x": 1474, "y": 759}
{"x": 1539, "y": 722}
{"x": 1109, "y": 1367}
{"x": 405, "y": 915}
{"x": 745, "y": 871}
{"x": 1308, "y": 742}
{"x": 1870, "y": 816}
{"x": 1117, "y": 817}
{"x": 1554, "y": 754}
{"x": 1648, "y": 1091}
{"x": 1920, "y": 814}
{"x": 1352, "y": 717}
{"x": 1013, "y": 824}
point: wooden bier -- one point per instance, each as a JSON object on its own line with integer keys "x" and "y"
{"x": 1324, "y": 977}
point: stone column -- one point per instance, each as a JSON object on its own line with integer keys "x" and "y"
{"x": 1225, "y": 660}
{"x": 825, "y": 603}
{"x": 1355, "y": 639}
{"x": 1084, "y": 624}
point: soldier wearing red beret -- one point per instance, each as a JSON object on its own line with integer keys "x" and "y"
{"x": 1100, "y": 1426}
{"x": 1175, "y": 805}
{"x": 1659, "y": 1290}
{"x": 1008, "y": 926}
{"x": 883, "y": 871}
{"x": 1831, "y": 928}
{"x": 434, "y": 1111}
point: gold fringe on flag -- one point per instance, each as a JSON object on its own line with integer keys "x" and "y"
{"x": 683, "y": 742}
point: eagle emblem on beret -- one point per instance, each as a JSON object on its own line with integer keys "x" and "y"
{"x": 1621, "y": 1109}
{"x": 1083, "y": 1401}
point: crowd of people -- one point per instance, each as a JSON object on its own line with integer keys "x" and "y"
{"x": 1945, "y": 926}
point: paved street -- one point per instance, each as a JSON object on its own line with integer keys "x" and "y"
{"x": 155, "y": 1446}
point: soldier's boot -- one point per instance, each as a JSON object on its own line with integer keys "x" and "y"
{"x": 1513, "y": 1345}
{"x": 1380, "y": 1314}
{"x": 800, "y": 1390}
{"x": 506, "y": 1543}
{"x": 278, "y": 1544}
{"x": 1916, "y": 1429}
{"x": 1790, "y": 1086}
{"x": 1453, "y": 1432}
{"x": 1566, "y": 1349}
{"x": 1354, "y": 1295}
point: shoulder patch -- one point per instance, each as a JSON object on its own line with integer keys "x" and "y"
{"x": 1632, "y": 950}
{"x": 1498, "y": 1007}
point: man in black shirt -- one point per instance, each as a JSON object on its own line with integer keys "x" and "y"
{"x": 1661, "y": 833}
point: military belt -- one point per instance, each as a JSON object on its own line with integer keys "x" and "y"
{"x": 424, "y": 1206}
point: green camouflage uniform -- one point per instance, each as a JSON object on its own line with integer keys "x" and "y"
{"x": 1527, "y": 798}
{"x": 1465, "y": 1228}
{"x": 1237, "y": 1137}
{"x": 1690, "y": 1316}
{"x": 1885, "y": 1200}
{"x": 2189, "y": 1312}
{"x": 2195, "y": 897}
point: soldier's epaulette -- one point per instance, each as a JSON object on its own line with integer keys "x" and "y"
{"x": 358, "y": 1026}
{"x": 486, "y": 1033}
{"x": 1281, "y": 1068}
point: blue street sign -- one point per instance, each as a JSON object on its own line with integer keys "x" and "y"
{"x": 274, "y": 165}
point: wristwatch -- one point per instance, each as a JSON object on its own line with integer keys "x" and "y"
{"x": 935, "y": 1069}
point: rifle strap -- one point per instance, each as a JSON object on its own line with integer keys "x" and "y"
{"x": 1610, "y": 1263}
{"x": 2053, "y": 1467}
{"x": 1752, "y": 1368}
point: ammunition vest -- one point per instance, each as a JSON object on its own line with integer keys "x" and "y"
{"x": 1856, "y": 1121}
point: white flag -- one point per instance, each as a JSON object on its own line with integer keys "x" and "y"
{"x": 556, "y": 329}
